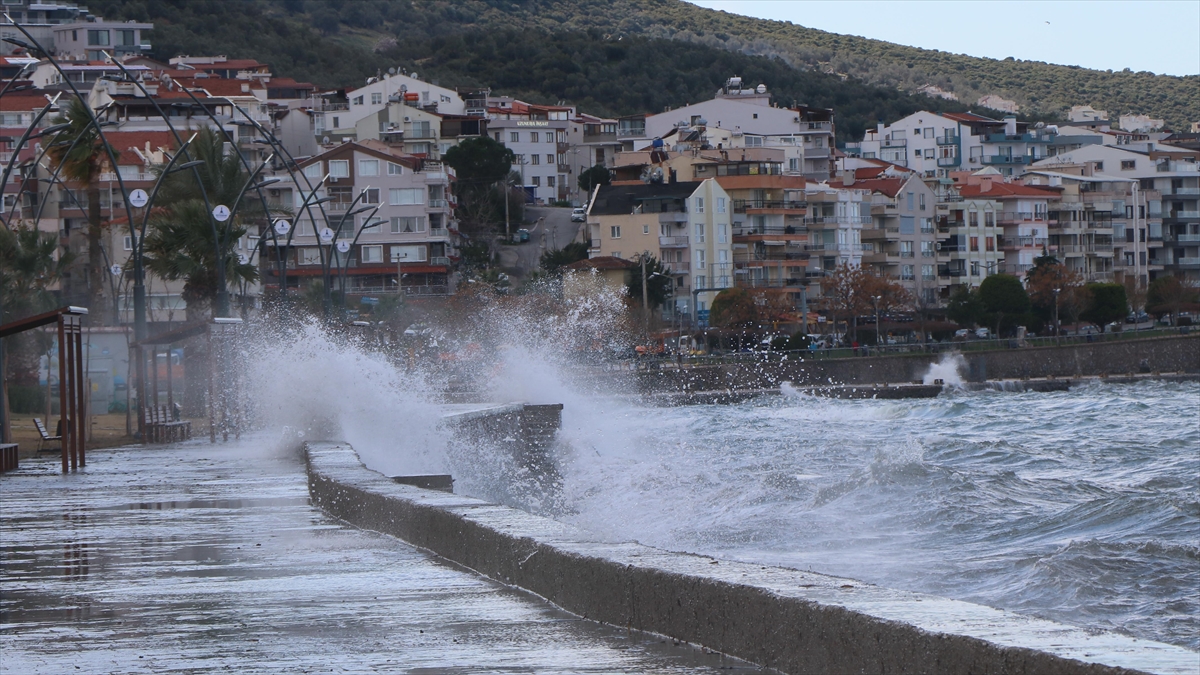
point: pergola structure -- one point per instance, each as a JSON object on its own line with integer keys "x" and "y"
{"x": 72, "y": 385}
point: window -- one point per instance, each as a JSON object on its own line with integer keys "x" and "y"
{"x": 336, "y": 123}
{"x": 974, "y": 268}
{"x": 615, "y": 232}
{"x": 645, "y": 229}
{"x": 127, "y": 38}
{"x": 927, "y": 272}
{"x": 407, "y": 254}
{"x": 793, "y": 164}
{"x": 699, "y": 204}
{"x": 990, "y": 242}
{"x": 533, "y": 137}
{"x": 549, "y": 159}
{"x": 536, "y": 181}
{"x": 368, "y": 167}
{"x": 906, "y": 272}
{"x": 408, "y": 224}
{"x": 699, "y": 233}
{"x": 313, "y": 171}
{"x": 754, "y": 141}
{"x": 376, "y": 98}
{"x": 370, "y": 196}
{"x": 406, "y": 196}
{"x": 922, "y": 200}
{"x": 358, "y": 100}
{"x": 128, "y": 243}
{"x": 310, "y": 256}
{"x": 497, "y": 135}
{"x": 371, "y": 254}
{"x": 549, "y": 181}
{"x": 917, "y": 152}
{"x": 395, "y": 169}
{"x": 535, "y": 159}
{"x": 906, "y": 249}
{"x": 1127, "y": 164}
{"x": 910, "y": 201}
{"x": 701, "y": 260}
{"x": 722, "y": 233}
{"x": 1099, "y": 166}
{"x": 928, "y": 132}
{"x": 928, "y": 153}
{"x": 514, "y": 137}
{"x": 720, "y": 205}
{"x": 989, "y": 219}
{"x": 339, "y": 168}
{"x": 98, "y": 38}
{"x": 974, "y": 244}
{"x": 927, "y": 250}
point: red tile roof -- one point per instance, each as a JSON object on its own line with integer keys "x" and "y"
{"x": 969, "y": 117}
{"x": 888, "y": 186}
{"x": 24, "y": 101}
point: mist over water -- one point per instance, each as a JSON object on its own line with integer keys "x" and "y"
{"x": 1079, "y": 506}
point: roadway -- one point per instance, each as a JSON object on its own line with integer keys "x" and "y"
{"x": 552, "y": 229}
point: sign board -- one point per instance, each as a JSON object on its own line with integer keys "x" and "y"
{"x": 343, "y": 246}
{"x": 138, "y": 198}
{"x": 221, "y": 213}
{"x": 326, "y": 235}
{"x": 370, "y": 301}
{"x": 702, "y": 318}
{"x": 116, "y": 270}
{"x": 282, "y": 227}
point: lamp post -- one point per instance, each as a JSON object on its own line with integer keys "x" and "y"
{"x": 343, "y": 268}
{"x": 876, "y": 300}
{"x": 1056, "y": 326}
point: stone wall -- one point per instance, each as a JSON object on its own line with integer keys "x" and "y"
{"x": 792, "y": 621}
{"x": 1163, "y": 354}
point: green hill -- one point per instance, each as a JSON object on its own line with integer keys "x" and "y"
{"x": 338, "y": 42}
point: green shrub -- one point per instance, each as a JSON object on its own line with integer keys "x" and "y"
{"x": 27, "y": 399}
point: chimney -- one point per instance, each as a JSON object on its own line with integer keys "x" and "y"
{"x": 847, "y": 177}
{"x": 879, "y": 131}
{"x": 985, "y": 185}
{"x": 1010, "y": 125}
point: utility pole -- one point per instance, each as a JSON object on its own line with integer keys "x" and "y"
{"x": 645, "y": 296}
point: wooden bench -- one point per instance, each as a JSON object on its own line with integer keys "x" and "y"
{"x": 8, "y": 457}
{"x": 162, "y": 427}
{"x": 45, "y": 436}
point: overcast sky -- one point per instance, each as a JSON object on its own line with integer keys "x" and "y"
{"x": 1161, "y": 36}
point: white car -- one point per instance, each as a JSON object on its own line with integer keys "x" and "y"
{"x": 578, "y": 215}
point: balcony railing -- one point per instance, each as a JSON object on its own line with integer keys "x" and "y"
{"x": 438, "y": 203}
{"x": 744, "y": 230}
{"x": 673, "y": 217}
{"x": 838, "y": 248}
{"x": 846, "y": 221}
{"x": 1185, "y": 191}
{"x": 680, "y": 241}
{"x": 1189, "y": 263}
{"x": 948, "y": 139}
{"x": 432, "y": 289}
{"x": 1024, "y": 242}
{"x": 949, "y": 161}
{"x": 768, "y": 256}
{"x": 1005, "y": 159}
{"x": 1188, "y": 238}
{"x": 595, "y": 244}
{"x": 1185, "y": 215}
{"x": 741, "y": 205}
{"x": 894, "y": 143}
{"x": 678, "y": 266}
{"x": 439, "y": 260}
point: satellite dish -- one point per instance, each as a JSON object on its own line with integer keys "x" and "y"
{"x": 414, "y": 76}
{"x": 343, "y": 245}
{"x": 325, "y": 140}
{"x": 282, "y": 227}
{"x": 221, "y": 213}
{"x": 391, "y": 71}
{"x": 762, "y": 89}
{"x": 326, "y": 235}
{"x": 116, "y": 270}
{"x": 138, "y": 198}
{"x": 404, "y": 87}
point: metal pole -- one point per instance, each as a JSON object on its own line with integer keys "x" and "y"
{"x": 82, "y": 392}
{"x": 645, "y": 297}
{"x": 64, "y": 429}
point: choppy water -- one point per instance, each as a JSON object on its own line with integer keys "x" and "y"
{"x": 1080, "y": 506}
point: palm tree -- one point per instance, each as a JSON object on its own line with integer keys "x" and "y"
{"x": 27, "y": 268}
{"x": 81, "y": 151}
{"x": 184, "y": 243}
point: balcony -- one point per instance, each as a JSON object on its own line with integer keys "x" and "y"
{"x": 680, "y": 241}
{"x": 1005, "y": 159}
{"x": 1168, "y": 166}
{"x": 948, "y": 139}
{"x": 431, "y": 289}
{"x": 1186, "y": 191}
{"x": 1184, "y": 215}
{"x": 842, "y": 221}
{"x": 1188, "y": 238}
{"x": 631, "y": 131}
{"x": 564, "y": 168}
{"x": 889, "y": 232}
{"x": 749, "y": 205}
{"x": 949, "y": 161}
{"x": 769, "y": 256}
{"x": 834, "y": 248}
{"x": 439, "y": 260}
{"x": 743, "y": 230}
{"x": 678, "y": 267}
{"x": 892, "y": 143}
{"x": 1019, "y": 138}
{"x": 673, "y": 217}
{"x": 1023, "y": 242}
{"x": 594, "y": 245}
{"x": 815, "y": 153}
{"x": 1188, "y": 263}
{"x": 438, "y": 203}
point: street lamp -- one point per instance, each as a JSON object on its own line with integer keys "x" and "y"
{"x": 343, "y": 269}
{"x": 876, "y": 300}
{"x": 1056, "y": 326}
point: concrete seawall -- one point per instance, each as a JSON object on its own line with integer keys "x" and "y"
{"x": 793, "y": 621}
{"x": 1164, "y": 354}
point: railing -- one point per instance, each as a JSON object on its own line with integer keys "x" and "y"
{"x": 1017, "y": 269}
{"x": 949, "y": 223}
{"x": 1179, "y": 167}
{"x": 1188, "y": 262}
{"x": 744, "y": 230}
{"x": 595, "y": 244}
{"x": 680, "y": 241}
{"x": 740, "y": 205}
{"x": 840, "y": 248}
{"x": 927, "y": 229}
{"x": 1020, "y": 138}
{"x": 1185, "y": 191}
{"x": 1005, "y": 159}
{"x": 837, "y": 220}
{"x": 890, "y": 143}
{"x": 948, "y": 139}
{"x": 1017, "y": 216}
{"x": 1188, "y": 238}
{"x": 438, "y": 203}
{"x": 338, "y": 206}
{"x": 771, "y": 256}
{"x": 678, "y": 267}
{"x": 952, "y": 248}
{"x": 1189, "y": 215}
{"x": 427, "y": 290}
{"x": 439, "y": 260}
{"x": 1020, "y": 242}
{"x": 631, "y": 132}
{"x": 788, "y": 282}
{"x": 673, "y": 217}
{"x": 438, "y": 232}
{"x": 907, "y": 254}
{"x": 815, "y": 153}
{"x": 949, "y": 161}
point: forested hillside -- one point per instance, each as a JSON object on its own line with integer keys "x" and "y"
{"x": 336, "y": 42}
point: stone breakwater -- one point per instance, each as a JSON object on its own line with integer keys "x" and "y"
{"x": 1173, "y": 354}
{"x": 789, "y": 620}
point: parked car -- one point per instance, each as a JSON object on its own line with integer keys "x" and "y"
{"x": 520, "y": 236}
{"x": 578, "y": 215}
{"x": 962, "y": 334}
{"x": 1138, "y": 317}
{"x": 983, "y": 333}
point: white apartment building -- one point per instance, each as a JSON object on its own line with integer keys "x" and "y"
{"x": 537, "y": 135}
{"x": 70, "y": 31}
{"x": 339, "y": 120}
{"x": 936, "y": 144}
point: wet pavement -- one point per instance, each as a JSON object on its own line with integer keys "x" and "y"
{"x": 197, "y": 558}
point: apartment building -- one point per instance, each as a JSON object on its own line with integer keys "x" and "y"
{"x": 1023, "y": 218}
{"x": 936, "y": 144}
{"x": 1090, "y": 202}
{"x": 1171, "y": 172}
{"x": 686, "y": 225}
{"x": 537, "y": 135}
{"x": 902, "y": 241}
{"x": 835, "y": 219}
{"x": 742, "y": 116}
{"x": 404, "y": 243}
{"x": 71, "y": 32}
{"x": 971, "y": 241}
{"x": 591, "y": 141}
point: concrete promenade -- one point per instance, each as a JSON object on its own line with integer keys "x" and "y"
{"x": 198, "y": 558}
